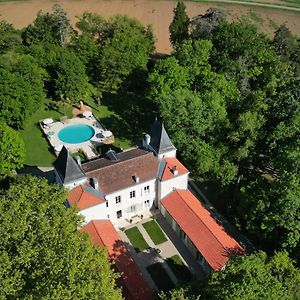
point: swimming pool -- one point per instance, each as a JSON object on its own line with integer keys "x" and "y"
{"x": 76, "y": 134}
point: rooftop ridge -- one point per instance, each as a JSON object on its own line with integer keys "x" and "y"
{"x": 119, "y": 162}
{"x": 216, "y": 221}
{"x": 177, "y": 191}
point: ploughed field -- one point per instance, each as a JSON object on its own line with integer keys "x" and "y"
{"x": 155, "y": 12}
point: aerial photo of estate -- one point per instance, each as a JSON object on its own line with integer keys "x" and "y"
{"x": 150, "y": 149}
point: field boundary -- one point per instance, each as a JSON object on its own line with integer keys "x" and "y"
{"x": 249, "y": 3}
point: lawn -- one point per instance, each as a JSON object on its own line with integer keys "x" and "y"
{"x": 136, "y": 239}
{"x": 155, "y": 232}
{"x": 38, "y": 150}
{"x": 160, "y": 277}
{"x": 179, "y": 269}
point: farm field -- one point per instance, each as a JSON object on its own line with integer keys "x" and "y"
{"x": 155, "y": 12}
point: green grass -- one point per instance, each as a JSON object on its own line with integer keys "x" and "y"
{"x": 160, "y": 277}
{"x": 38, "y": 150}
{"x": 179, "y": 269}
{"x": 136, "y": 239}
{"x": 155, "y": 232}
{"x": 120, "y": 120}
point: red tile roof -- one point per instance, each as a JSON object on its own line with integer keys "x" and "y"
{"x": 209, "y": 237}
{"x": 170, "y": 164}
{"x": 82, "y": 198}
{"x": 103, "y": 234}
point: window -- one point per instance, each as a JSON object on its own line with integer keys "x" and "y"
{"x": 132, "y": 208}
{"x": 107, "y": 216}
{"x": 119, "y": 214}
{"x": 132, "y": 194}
{"x": 118, "y": 199}
{"x": 147, "y": 203}
{"x": 147, "y": 189}
{"x": 106, "y": 203}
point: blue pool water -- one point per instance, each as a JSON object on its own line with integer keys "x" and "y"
{"x": 75, "y": 134}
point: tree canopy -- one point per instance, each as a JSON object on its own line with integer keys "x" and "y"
{"x": 255, "y": 277}
{"x": 43, "y": 255}
{"x": 21, "y": 88}
{"x": 179, "y": 27}
{"x": 12, "y": 150}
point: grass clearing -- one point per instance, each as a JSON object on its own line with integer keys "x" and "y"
{"x": 179, "y": 269}
{"x": 136, "y": 239}
{"x": 40, "y": 153}
{"x": 155, "y": 232}
{"x": 160, "y": 277}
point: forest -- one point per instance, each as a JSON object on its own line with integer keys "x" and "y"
{"x": 229, "y": 97}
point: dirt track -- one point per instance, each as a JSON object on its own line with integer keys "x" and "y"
{"x": 158, "y": 13}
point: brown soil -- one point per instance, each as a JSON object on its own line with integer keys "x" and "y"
{"x": 155, "y": 12}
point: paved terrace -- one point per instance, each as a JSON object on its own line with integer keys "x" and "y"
{"x": 51, "y": 131}
{"x": 167, "y": 249}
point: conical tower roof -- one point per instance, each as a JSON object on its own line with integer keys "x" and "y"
{"x": 67, "y": 168}
{"x": 160, "y": 141}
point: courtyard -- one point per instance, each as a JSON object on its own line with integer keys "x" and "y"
{"x": 161, "y": 256}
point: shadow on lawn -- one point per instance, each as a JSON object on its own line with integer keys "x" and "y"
{"x": 48, "y": 174}
{"x": 136, "y": 114}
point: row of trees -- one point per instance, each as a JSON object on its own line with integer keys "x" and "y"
{"x": 50, "y": 59}
{"x": 230, "y": 98}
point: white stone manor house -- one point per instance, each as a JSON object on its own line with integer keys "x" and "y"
{"x": 124, "y": 185}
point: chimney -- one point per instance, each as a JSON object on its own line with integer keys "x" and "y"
{"x": 146, "y": 140}
{"x": 175, "y": 170}
{"x": 94, "y": 183}
{"x": 78, "y": 159}
{"x": 136, "y": 179}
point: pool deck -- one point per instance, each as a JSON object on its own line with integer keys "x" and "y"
{"x": 51, "y": 131}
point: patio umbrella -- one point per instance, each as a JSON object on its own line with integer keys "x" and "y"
{"x": 107, "y": 133}
{"x": 87, "y": 113}
{"x": 48, "y": 121}
{"x": 58, "y": 147}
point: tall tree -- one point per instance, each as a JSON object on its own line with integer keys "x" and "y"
{"x": 21, "y": 88}
{"x": 179, "y": 27}
{"x": 269, "y": 211}
{"x": 125, "y": 53}
{"x": 52, "y": 28}
{"x": 42, "y": 253}
{"x": 255, "y": 277}
{"x": 9, "y": 37}
{"x": 12, "y": 150}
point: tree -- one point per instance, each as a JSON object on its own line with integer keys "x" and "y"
{"x": 42, "y": 253}
{"x": 125, "y": 53}
{"x": 179, "y": 28}
{"x": 69, "y": 77}
{"x": 202, "y": 26}
{"x": 255, "y": 277}
{"x": 9, "y": 37}
{"x": 284, "y": 42}
{"x": 53, "y": 28}
{"x": 21, "y": 88}
{"x": 179, "y": 294}
{"x": 12, "y": 150}
{"x": 269, "y": 211}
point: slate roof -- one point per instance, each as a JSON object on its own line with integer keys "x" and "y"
{"x": 115, "y": 175}
{"x": 67, "y": 168}
{"x": 160, "y": 141}
{"x": 103, "y": 234}
{"x": 84, "y": 196}
{"x": 208, "y": 236}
